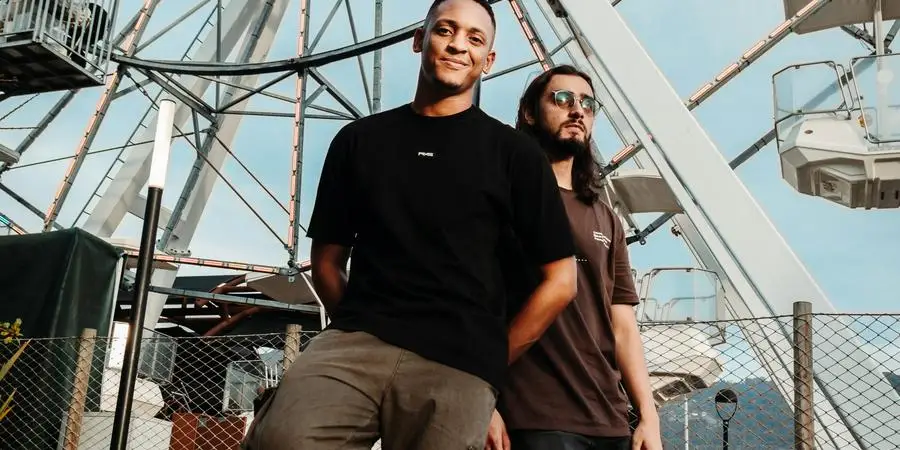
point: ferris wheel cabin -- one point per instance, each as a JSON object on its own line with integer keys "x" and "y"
{"x": 53, "y": 45}
{"x": 842, "y": 144}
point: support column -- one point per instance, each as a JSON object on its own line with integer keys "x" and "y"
{"x": 293, "y": 240}
{"x": 112, "y": 85}
{"x": 803, "y": 377}
{"x": 376, "y": 66}
{"x": 291, "y": 346}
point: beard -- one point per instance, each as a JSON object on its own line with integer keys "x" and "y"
{"x": 559, "y": 148}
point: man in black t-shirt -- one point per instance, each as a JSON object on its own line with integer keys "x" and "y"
{"x": 419, "y": 343}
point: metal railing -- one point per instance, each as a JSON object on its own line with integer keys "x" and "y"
{"x": 77, "y": 29}
{"x": 200, "y": 392}
{"x": 866, "y": 93}
{"x": 191, "y": 392}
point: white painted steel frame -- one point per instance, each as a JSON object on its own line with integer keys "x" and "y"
{"x": 237, "y": 23}
{"x": 761, "y": 274}
{"x": 260, "y": 37}
{"x": 125, "y": 186}
{"x": 734, "y": 233}
{"x": 765, "y": 350}
{"x": 129, "y": 46}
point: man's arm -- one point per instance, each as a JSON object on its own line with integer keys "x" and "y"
{"x": 542, "y": 227}
{"x": 629, "y": 346}
{"x": 331, "y": 227}
{"x": 547, "y": 301}
{"x": 630, "y": 358}
{"x": 329, "y": 272}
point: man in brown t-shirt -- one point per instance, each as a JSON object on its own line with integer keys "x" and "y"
{"x": 564, "y": 393}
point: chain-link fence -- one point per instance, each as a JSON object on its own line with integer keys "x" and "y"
{"x": 191, "y": 393}
{"x": 748, "y": 384}
{"x": 868, "y": 379}
{"x": 709, "y": 379}
{"x": 705, "y": 375}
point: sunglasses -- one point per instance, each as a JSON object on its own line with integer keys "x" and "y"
{"x": 566, "y": 99}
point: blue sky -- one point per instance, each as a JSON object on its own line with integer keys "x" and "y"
{"x": 852, "y": 254}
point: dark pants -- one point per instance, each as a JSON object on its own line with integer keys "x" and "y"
{"x": 560, "y": 440}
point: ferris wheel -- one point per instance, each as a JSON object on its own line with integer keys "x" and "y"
{"x": 261, "y": 86}
{"x": 266, "y": 66}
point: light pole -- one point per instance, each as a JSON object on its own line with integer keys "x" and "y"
{"x": 723, "y": 398}
{"x": 159, "y": 162}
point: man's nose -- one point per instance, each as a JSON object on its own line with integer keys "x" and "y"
{"x": 458, "y": 43}
{"x": 576, "y": 111}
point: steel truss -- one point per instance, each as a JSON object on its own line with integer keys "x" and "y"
{"x": 226, "y": 65}
{"x": 762, "y": 276}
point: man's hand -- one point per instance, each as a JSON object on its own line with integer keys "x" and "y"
{"x": 646, "y": 436}
{"x": 497, "y": 439}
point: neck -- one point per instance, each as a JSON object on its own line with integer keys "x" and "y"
{"x": 563, "y": 171}
{"x": 429, "y": 101}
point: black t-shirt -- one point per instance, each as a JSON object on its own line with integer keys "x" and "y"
{"x": 423, "y": 202}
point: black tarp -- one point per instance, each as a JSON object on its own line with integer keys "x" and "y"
{"x": 58, "y": 284}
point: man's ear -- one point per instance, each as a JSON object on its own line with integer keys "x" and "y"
{"x": 489, "y": 62}
{"x": 529, "y": 118}
{"x": 418, "y": 40}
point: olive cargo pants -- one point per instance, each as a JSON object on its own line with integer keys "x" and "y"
{"x": 348, "y": 389}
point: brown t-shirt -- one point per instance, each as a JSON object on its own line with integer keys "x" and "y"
{"x": 569, "y": 379}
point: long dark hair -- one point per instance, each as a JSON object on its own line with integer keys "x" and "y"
{"x": 586, "y": 181}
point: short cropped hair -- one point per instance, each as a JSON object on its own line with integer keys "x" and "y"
{"x": 484, "y": 4}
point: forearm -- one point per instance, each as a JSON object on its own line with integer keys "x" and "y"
{"x": 329, "y": 273}
{"x": 330, "y": 283}
{"x": 631, "y": 362}
{"x": 547, "y": 301}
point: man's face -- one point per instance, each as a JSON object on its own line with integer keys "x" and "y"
{"x": 567, "y": 110}
{"x": 456, "y": 45}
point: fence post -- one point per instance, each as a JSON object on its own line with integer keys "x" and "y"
{"x": 291, "y": 345}
{"x": 75, "y": 416}
{"x": 803, "y": 376}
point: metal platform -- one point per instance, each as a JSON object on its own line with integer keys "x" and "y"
{"x": 54, "y": 45}
{"x": 34, "y": 67}
{"x": 839, "y": 12}
{"x": 643, "y": 191}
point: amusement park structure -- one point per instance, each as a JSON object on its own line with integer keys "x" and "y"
{"x": 52, "y": 51}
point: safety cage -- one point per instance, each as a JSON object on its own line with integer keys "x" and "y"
{"x": 53, "y": 45}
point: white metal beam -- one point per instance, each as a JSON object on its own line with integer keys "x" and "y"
{"x": 139, "y": 206}
{"x": 765, "y": 349}
{"x": 256, "y": 47}
{"x": 753, "y": 256}
{"x": 123, "y": 190}
{"x": 129, "y": 45}
{"x": 565, "y": 31}
{"x": 769, "y": 348}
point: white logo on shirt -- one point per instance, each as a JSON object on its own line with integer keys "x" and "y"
{"x": 426, "y": 154}
{"x": 600, "y": 237}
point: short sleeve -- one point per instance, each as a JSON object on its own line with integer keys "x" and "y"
{"x": 539, "y": 217}
{"x": 332, "y": 215}
{"x": 624, "y": 291}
